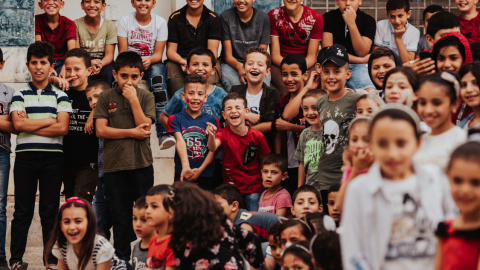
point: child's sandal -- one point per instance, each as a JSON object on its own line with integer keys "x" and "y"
{"x": 20, "y": 266}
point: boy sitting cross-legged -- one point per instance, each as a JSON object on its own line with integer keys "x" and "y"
{"x": 123, "y": 117}
{"x": 193, "y": 161}
{"x": 242, "y": 150}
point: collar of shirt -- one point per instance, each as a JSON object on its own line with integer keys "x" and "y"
{"x": 34, "y": 88}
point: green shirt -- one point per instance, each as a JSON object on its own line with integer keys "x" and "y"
{"x": 94, "y": 43}
{"x": 128, "y": 153}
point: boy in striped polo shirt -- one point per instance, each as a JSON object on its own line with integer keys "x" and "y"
{"x": 40, "y": 114}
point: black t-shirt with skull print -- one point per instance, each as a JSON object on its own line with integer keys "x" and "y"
{"x": 335, "y": 116}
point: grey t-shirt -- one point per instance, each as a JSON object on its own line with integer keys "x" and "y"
{"x": 336, "y": 116}
{"x": 6, "y": 94}
{"x": 139, "y": 256}
{"x": 308, "y": 152}
{"x": 423, "y": 44}
{"x": 245, "y": 35}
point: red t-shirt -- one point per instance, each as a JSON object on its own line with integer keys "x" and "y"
{"x": 471, "y": 28}
{"x": 59, "y": 36}
{"x": 241, "y": 162}
{"x": 294, "y": 37}
{"x": 160, "y": 256}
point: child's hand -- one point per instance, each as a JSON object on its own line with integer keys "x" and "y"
{"x": 89, "y": 126}
{"x": 140, "y": 133}
{"x": 241, "y": 74}
{"x": 196, "y": 174}
{"x": 129, "y": 92}
{"x": 62, "y": 83}
{"x": 22, "y": 114}
{"x": 211, "y": 129}
{"x": 253, "y": 118}
{"x": 62, "y": 73}
{"x": 281, "y": 124}
{"x": 313, "y": 81}
{"x": 349, "y": 16}
{"x": 362, "y": 159}
{"x": 183, "y": 65}
{"x": 398, "y": 32}
{"x": 186, "y": 174}
{"x": 422, "y": 67}
{"x": 146, "y": 63}
{"x": 97, "y": 66}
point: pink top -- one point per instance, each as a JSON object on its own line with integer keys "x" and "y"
{"x": 279, "y": 200}
{"x": 347, "y": 173}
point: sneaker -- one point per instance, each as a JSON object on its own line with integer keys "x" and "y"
{"x": 166, "y": 141}
{"x": 52, "y": 267}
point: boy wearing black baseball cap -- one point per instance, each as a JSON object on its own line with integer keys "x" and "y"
{"x": 336, "y": 110}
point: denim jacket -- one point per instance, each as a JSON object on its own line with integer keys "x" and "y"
{"x": 367, "y": 218}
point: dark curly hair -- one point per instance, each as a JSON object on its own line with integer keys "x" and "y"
{"x": 198, "y": 219}
{"x": 40, "y": 49}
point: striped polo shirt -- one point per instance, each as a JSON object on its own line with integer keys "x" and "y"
{"x": 40, "y": 104}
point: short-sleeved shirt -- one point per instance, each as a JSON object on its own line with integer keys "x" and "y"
{"x": 241, "y": 159}
{"x": 308, "y": 152}
{"x": 127, "y": 153}
{"x": 260, "y": 221}
{"x": 194, "y": 134}
{"x": 212, "y": 106}
{"x": 385, "y": 37}
{"x": 333, "y": 23}
{"x": 103, "y": 251}
{"x": 142, "y": 38}
{"x": 79, "y": 147}
{"x": 294, "y": 37}
{"x": 139, "y": 256}
{"x": 40, "y": 104}
{"x": 281, "y": 199}
{"x": 94, "y": 43}
{"x": 471, "y": 28}
{"x": 245, "y": 35}
{"x": 5, "y": 102}
{"x": 160, "y": 256}
{"x": 59, "y": 36}
{"x": 186, "y": 36}
{"x": 336, "y": 117}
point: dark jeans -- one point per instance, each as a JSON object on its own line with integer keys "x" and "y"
{"x": 324, "y": 194}
{"x": 206, "y": 183}
{"x": 291, "y": 183}
{"x": 122, "y": 189}
{"x": 104, "y": 219}
{"x": 80, "y": 180}
{"x": 32, "y": 169}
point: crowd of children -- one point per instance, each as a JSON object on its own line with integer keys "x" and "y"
{"x": 324, "y": 168}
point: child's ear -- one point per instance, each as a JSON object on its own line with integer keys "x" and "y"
{"x": 409, "y": 13}
{"x": 183, "y": 95}
{"x": 214, "y": 69}
{"x": 318, "y": 67}
{"x": 305, "y": 75}
{"x": 115, "y": 74}
{"x": 141, "y": 74}
{"x": 40, "y": 5}
{"x": 235, "y": 206}
{"x": 90, "y": 70}
{"x": 429, "y": 40}
{"x": 284, "y": 176}
{"x": 2, "y": 64}
{"x": 62, "y": 4}
{"x": 268, "y": 72}
{"x": 320, "y": 207}
{"x": 247, "y": 110}
{"x": 349, "y": 73}
{"x": 223, "y": 114}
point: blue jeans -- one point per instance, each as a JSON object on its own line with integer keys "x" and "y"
{"x": 250, "y": 201}
{"x": 230, "y": 77}
{"x": 155, "y": 77}
{"x": 4, "y": 174}
{"x": 58, "y": 65}
{"x": 104, "y": 221}
{"x": 105, "y": 74}
{"x": 359, "y": 78}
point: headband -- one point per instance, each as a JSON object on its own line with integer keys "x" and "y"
{"x": 73, "y": 200}
{"x": 451, "y": 79}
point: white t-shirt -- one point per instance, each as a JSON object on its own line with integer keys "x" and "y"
{"x": 141, "y": 38}
{"x": 385, "y": 37}
{"x": 103, "y": 249}
{"x": 436, "y": 149}
{"x": 253, "y": 102}
{"x": 412, "y": 242}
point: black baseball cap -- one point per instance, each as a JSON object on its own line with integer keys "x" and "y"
{"x": 337, "y": 54}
